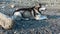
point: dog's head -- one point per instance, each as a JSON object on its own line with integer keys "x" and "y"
{"x": 40, "y": 7}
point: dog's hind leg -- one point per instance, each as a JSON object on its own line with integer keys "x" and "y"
{"x": 17, "y": 16}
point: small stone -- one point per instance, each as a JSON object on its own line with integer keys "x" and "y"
{"x": 15, "y": 32}
{"x": 12, "y": 6}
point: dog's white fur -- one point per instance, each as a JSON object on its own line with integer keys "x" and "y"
{"x": 42, "y": 9}
{"x": 17, "y": 13}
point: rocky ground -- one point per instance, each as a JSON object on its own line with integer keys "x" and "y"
{"x": 49, "y": 26}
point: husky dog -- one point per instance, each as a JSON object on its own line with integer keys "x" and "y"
{"x": 27, "y": 12}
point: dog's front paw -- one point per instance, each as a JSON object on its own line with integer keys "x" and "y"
{"x": 41, "y": 17}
